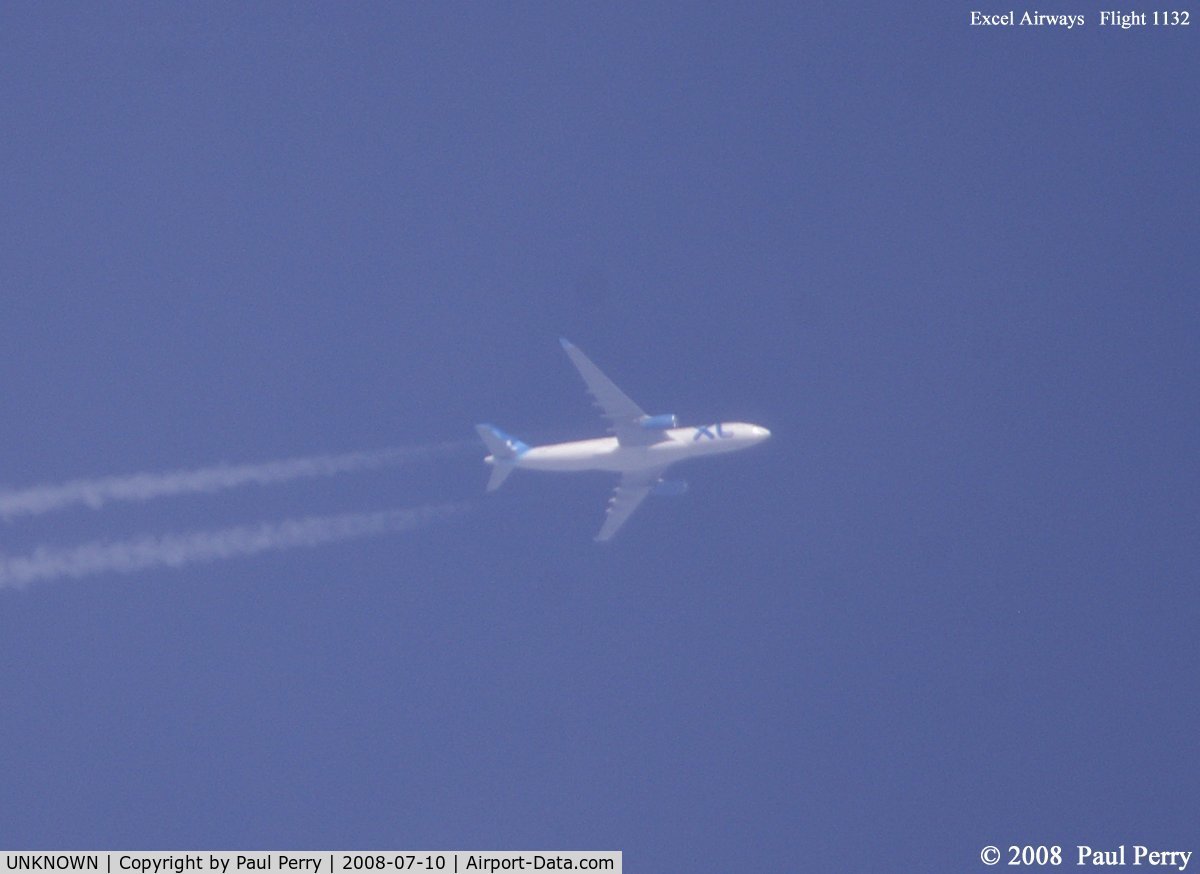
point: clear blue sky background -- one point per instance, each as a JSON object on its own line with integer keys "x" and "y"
{"x": 953, "y": 601}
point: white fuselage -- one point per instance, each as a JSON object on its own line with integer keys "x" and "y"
{"x": 676, "y": 444}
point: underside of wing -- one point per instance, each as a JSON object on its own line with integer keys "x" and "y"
{"x": 627, "y": 497}
{"x": 625, "y": 418}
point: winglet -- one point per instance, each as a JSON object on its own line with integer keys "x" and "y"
{"x": 566, "y": 344}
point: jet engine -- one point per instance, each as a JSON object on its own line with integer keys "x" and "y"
{"x": 660, "y": 422}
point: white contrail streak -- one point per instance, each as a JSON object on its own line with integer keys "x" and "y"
{"x": 176, "y": 550}
{"x": 97, "y": 492}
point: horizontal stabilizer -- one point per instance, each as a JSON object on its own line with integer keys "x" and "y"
{"x": 500, "y": 472}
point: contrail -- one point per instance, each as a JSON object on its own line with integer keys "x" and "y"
{"x": 96, "y": 493}
{"x": 177, "y": 550}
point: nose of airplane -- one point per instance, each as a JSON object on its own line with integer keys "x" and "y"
{"x": 761, "y": 432}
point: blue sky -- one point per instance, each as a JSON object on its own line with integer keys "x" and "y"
{"x": 953, "y": 601}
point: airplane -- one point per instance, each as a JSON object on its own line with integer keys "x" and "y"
{"x": 641, "y": 449}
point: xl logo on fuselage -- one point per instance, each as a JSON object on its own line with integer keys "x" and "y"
{"x": 707, "y": 431}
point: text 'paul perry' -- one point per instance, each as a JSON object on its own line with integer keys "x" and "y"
{"x": 1140, "y": 856}
{"x": 278, "y": 863}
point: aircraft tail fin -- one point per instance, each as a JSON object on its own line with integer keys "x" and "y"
{"x": 505, "y": 450}
{"x": 501, "y": 445}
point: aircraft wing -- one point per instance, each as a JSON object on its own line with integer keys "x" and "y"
{"x": 624, "y": 416}
{"x": 627, "y": 497}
